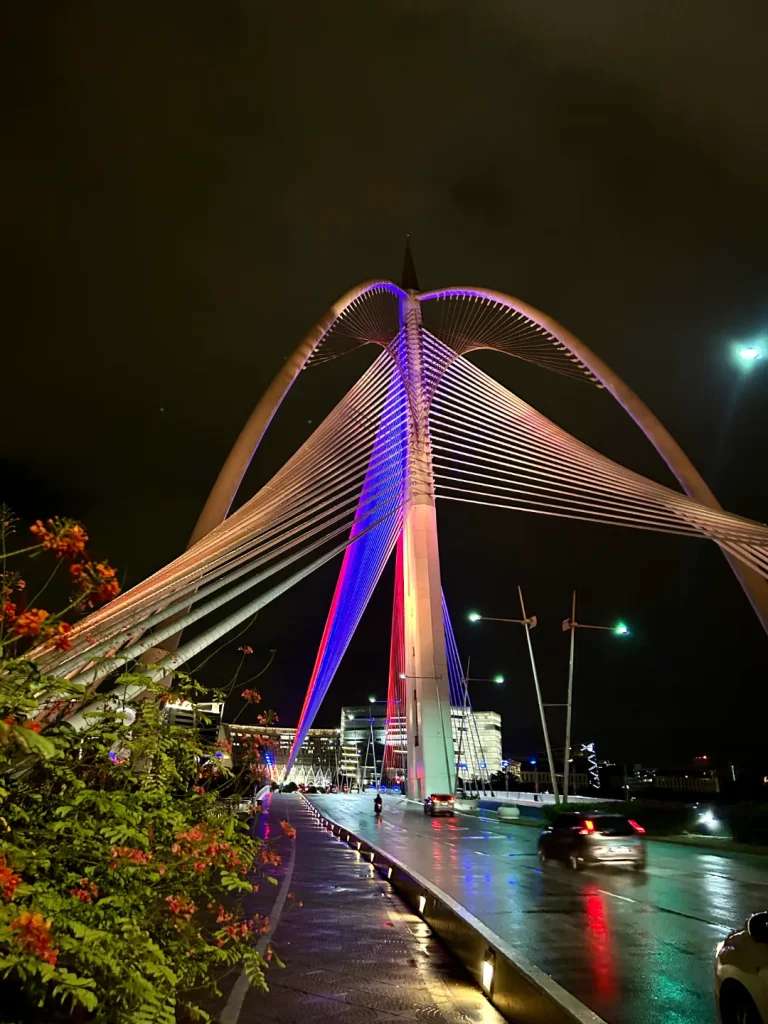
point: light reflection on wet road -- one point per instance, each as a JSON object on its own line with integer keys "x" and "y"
{"x": 636, "y": 948}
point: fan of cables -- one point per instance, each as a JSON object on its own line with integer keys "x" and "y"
{"x": 492, "y": 448}
{"x": 341, "y": 485}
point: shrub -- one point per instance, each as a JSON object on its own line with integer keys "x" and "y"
{"x": 124, "y": 879}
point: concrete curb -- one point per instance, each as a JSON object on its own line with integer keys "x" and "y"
{"x": 519, "y": 990}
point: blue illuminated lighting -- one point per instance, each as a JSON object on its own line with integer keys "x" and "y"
{"x": 364, "y": 560}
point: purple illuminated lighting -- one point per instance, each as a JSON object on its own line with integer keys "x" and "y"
{"x": 364, "y": 560}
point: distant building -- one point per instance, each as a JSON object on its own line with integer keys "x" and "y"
{"x": 358, "y": 725}
{"x": 477, "y": 742}
{"x": 357, "y": 721}
{"x": 317, "y": 762}
{"x": 204, "y": 716}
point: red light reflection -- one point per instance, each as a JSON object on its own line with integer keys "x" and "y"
{"x": 599, "y": 944}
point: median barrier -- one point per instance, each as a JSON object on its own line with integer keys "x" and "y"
{"x": 519, "y": 990}
{"x": 467, "y": 805}
{"x": 506, "y": 812}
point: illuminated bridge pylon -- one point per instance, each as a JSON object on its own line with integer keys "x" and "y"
{"x": 422, "y": 425}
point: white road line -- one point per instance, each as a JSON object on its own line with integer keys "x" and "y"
{"x": 615, "y": 895}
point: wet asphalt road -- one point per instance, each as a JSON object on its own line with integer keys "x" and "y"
{"x": 636, "y": 948}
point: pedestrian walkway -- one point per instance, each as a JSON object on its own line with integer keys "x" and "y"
{"x": 353, "y": 952}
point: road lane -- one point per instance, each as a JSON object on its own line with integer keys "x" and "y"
{"x": 636, "y": 948}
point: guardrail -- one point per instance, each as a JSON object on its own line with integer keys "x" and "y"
{"x": 519, "y": 990}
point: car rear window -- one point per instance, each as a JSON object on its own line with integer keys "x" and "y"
{"x": 613, "y": 825}
{"x": 567, "y": 821}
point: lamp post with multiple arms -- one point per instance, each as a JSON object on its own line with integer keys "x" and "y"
{"x": 528, "y": 621}
{"x": 571, "y": 625}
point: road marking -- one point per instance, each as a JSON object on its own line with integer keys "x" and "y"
{"x": 615, "y": 895}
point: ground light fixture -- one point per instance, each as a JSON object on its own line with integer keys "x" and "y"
{"x": 709, "y": 820}
{"x": 488, "y": 970}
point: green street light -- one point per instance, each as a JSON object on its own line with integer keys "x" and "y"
{"x": 498, "y": 679}
{"x": 371, "y": 699}
{"x": 474, "y": 616}
{"x": 621, "y": 629}
{"x": 747, "y": 354}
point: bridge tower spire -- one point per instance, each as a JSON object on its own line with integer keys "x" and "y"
{"x": 431, "y": 759}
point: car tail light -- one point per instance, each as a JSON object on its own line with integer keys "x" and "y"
{"x": 587, "y": 828}
{"x": 638, "y": 828}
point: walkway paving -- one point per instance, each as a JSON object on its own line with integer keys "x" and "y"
{"x": 353, "y": 952}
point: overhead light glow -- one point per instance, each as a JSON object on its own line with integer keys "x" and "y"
{"x": 422, "y": 903}
{"x": 498, "y": 679}
{"x": 474, "y": 616}
{"x": 748, "y": 353}
{"x": 621, "y": 629}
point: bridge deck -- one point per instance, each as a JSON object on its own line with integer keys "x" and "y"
{"x": 635, "y": 948}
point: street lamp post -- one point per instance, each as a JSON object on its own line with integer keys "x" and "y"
{"x": 570, "y": 625}
{"x": 372, "y": 701}
{"x": 529, "y": 622}
{"x": 499, "y": 680}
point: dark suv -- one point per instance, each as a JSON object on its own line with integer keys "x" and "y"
{"x": 585, "y": 840}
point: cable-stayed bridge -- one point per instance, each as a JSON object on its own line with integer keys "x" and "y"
{"x": 422, "y": 424}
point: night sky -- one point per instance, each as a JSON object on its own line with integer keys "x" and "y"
{"x": 187, "y": 187}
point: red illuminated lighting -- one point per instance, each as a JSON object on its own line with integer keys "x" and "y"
{"x": 587, "y": 828}
{"x": 638, "y": 828}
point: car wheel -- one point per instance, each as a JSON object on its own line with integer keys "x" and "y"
{"x": 574, "y": 863}
{"x": 737, "y": 1007}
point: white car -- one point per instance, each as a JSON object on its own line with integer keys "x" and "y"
{"x": 741, "y": 973}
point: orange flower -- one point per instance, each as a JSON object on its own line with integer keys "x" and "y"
{"x": 9, "y": 880}
{"x": 127, "y": 855}
{"x": 288, "y": 829}
{"x": 181, "y": 907}
{"x": 61, "y": 639}
{"x": 86, "y": 891}
{"x": 8, "y": 612}
{"x": 65, "y": 537}
{"x": 96, "y": 582}
{"x": 34, "y": 935}
{"x": 30, "y": 622}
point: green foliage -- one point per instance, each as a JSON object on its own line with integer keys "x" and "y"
{"x": 115, "y": 851}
